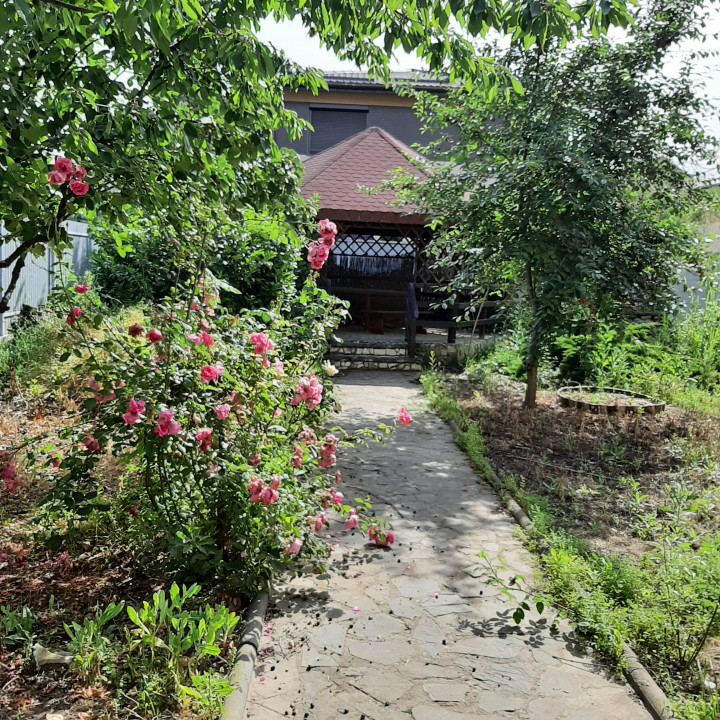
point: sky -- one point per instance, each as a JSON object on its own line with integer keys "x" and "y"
{"x": 293, "y": 39}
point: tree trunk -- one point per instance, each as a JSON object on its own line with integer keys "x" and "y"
{"x": 531, "y": 389}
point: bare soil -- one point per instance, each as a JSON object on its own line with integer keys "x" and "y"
{"x": 586, "y": 465}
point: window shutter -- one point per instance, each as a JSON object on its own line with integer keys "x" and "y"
{"x": 333, "y": 126}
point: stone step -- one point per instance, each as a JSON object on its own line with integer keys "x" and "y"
{"x": 351, "y": 349}
{"x": 374, "y": 362}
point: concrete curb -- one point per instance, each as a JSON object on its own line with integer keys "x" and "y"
{"x": 246, "y": 656}
{"x": 653, "y": 698}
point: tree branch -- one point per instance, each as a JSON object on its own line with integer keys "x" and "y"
{"x": 5, "y": 302}
{"x": 21, "y": 250}
{"x": 67, "y": 6}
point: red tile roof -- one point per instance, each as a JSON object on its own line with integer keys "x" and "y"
{"x": 364, "y": 159}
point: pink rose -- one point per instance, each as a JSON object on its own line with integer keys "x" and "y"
{"x": 294, "y": 546}
{"x": 166, "y": 425}
{"x": 78, "y": 187}
{"x": 56, "y": 178}
{"x": 255, "y": 487}
{"x": 327, "y": 229}
{"x": 254, "y": 460}
{"x": 136, "y": 330}
{"x": 81, "y": 289}
{"x": 154, "y": 336}
{"x": 308, "y": 390}
{"x": 404, "y": 417}
{"x": 222, "y": 411}
{"x": 80, "y": 172}
{"x": 73, "y": 315}
{"x": 279, "y": 367}
{"x": 277, "y": 413}
{"x": 261, "y": 342}
{"x": 194, "y": 339}
{"x": 382, "y": 538}
{"x": 91, "y": 444}
{"x": 317, "y": 255}
{"x": 206, "y": 339}
{"x": 352, "y": 521}
{"x": 320, "y": 520}
{"x": 204, "y": 437}
{"x": 63, "y": 165}
{"x": 210, "y": 373}
{"x": 269, "y": 495}
{"x": 56, "y": 461}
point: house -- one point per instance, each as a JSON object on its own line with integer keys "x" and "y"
{"x": 353, "y": 103}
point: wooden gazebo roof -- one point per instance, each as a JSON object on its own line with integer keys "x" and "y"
{"x": 366, "y": 160}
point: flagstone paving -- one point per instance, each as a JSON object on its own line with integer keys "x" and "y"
{"x": 414, "y": 632}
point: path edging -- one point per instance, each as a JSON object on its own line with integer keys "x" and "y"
{"x": 247, "y": 651}
{"x": 653, "y": 698}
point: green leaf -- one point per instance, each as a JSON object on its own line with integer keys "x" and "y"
{"x": 518, "y": 615}
{"x": 90, "y": 403}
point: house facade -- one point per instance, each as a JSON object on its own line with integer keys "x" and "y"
{"x": 353, "y": 104}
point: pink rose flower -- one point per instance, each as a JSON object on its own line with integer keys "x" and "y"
{"x": 382, "y": 538}
{"x": 56, "y": 178}
{"x": 166, "y": 425}
{"x": 80, "y": 172}
{"x": 206, "y": 339}
{"x": 279, "y": 367}
{"x": 317, "y": 255}
{"x": 269, "y": 495}
{"x": 320, "y": 520}
{"x": 194, "y": 339}
{"x": 204, "y": 437}
{"x": 91, "y": 444}
{"x": 261, "y": 342}
{"x": 294, "y": 546}
{"x": 63, "y": 165}
{"x": 308, "y": 390}
{"x": 222, "y": 411}
{"x": 327, "y": 229}
{"x": 404, "y": 417}
{"x": 73, "y": 315}
{"x": 56, "y": 461}
{"x": 154, "y": 336}
{"x": 277, "y": 413}
{"x": 352, "y": 521}
{"x": 254, "y": 460}
{"x": 78, "y": 187}
{"x": 81, "y": 289}
{"x": 210, "y": 373}
{"x": 255, "y": 487}
{"x": 136, "y": 330}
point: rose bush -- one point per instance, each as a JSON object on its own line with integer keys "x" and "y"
{"x": 218, "y": 421}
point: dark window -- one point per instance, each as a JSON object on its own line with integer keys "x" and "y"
{"x": 334, "y": 125}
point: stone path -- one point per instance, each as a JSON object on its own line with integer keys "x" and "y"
{"x": 414, "y": 632}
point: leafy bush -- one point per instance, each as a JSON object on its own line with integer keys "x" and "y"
{"x": 32, "y": 344}
{"x": 145, "y": 259}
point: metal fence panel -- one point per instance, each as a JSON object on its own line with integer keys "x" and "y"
{"x": 36, "y": 278}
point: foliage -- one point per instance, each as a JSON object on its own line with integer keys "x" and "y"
{"x": 570, "y": 192}
{"x": 256, "y": 255}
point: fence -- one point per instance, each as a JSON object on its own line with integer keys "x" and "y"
{"x": 36, "y": 278}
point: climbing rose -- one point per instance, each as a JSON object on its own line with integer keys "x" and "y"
{"x": 404, "y": 417}
{"x": 297, "y": 461}
{"x": 166, "y": 425}
{"x": 63, "y": 165}
{"x": 8, "y": 472}
{"x": 327, "y": 452}
{"x": 269, "y": 494}
{"x": 80, "y": 172}
{"x": 382, "y": 538}
{"x": 279, "y": 367}
{"x": 206, "y": 339}
{"x": 307, "y": 436}
{"x": 56, "y": 178}
{"x": 91, "y": 444}
{"x": 222, "y": 411}
{"x": 263, "y": 344}
{"x": 210, "y": 373}
{"x": 254, "y": 460}
{"x": 317, "y": 255}
{"x": 255, "y": 488}
{"x": 73, "y": 315}
{"x": 320, "y": 520}
{"x": 294, "y": 546}
{"x": 204, "y": 437}
{"x": 81, "y": 289}
{"x": 194, "y": 339}
{"x": 328, "y": 231}
{"x": 154, "y": 336}
{"x": 353, "y": 520}
{"x": 309, "y": 391}
{"x": 78, "y": 187}
{"x": 135, "y": 330}
{"x": 133, "y": 412}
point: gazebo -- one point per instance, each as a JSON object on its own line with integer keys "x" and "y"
{"x": 379, "y": 261}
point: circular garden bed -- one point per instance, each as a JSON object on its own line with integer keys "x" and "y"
{"x": 608, "y": 400}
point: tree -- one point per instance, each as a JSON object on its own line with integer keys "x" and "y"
{"x": 164, "y": 101}
{"x": 573, "y": 190}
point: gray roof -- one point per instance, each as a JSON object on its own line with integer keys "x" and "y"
{"x": 418, "y": 79}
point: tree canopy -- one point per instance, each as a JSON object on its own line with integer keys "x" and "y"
{"x": 168, "y": 105}
{"x": 573, "y": 192}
